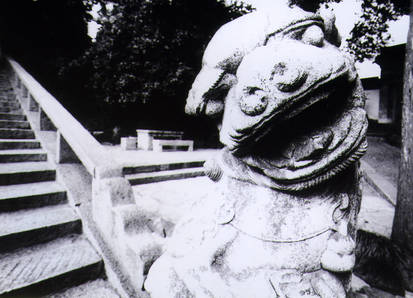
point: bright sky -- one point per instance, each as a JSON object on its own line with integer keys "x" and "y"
{"x": 92, "y": 26}
{"x": 347, "y": 13}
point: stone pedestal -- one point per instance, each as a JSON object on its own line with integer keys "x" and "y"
{"x": 128, "y": 143}
{"x": 146, "y": 137}
{"x": 64, "y": 153}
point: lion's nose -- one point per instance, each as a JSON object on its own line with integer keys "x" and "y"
{"x": 288, "y": 77}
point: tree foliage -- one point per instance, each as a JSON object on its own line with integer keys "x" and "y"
{"x": 149, "y": 51}
{"x": 369, "y": 35}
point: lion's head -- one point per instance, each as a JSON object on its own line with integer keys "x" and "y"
{"x": 292, "y": 109}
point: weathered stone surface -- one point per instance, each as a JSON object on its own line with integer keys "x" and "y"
{"x": 281, "y": 220}
{"x": 97, "y": 288}
{"x": 55, "y": 264}
{"x": 41, "y": 250}
{"x": 107, "y": 194}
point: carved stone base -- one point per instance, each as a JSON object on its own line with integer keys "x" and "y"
{"x": 246, "y": 240}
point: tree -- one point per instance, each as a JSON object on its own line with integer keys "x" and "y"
{"x": 147, "y": 50}
{"x": 402, "y": 232}
{"x": 147, "y": 54}
{"x": 369, "y": 35}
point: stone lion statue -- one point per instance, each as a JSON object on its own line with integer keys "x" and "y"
{"x": 280, "y": 221}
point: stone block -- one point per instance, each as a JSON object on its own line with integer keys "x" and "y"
{"x": 25, "y": 92}
{"x": 138, "y": 240}
{"x": 144, "y": 140}
{"x": 107, "y": 194}
{"x": 135, "y": 237}
{"x": 146, "y": 137}
{"x": 45, "y": 122}
{"x": 64, "y": 153}
{"x": 33, "y": 105}
{"x": 172, "y": 145}
{"x": 128, "y": 143}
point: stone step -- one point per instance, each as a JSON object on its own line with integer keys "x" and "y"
{"x": 5, "y": 116}
{"x": 16, "y": 133}
{"x": 6, "y": 144}
{"x": 10, "y": 104}
{"x": 6, "y": 99}
{"x": 26, "y": 172}
{"x": 98, "y": 288}
{"x": 162, "y": 167}
{"x": 7, "y": 94}
{"x": 14, "y": 124}
{"x": 9, "y": 110}
{"x": 31, "y": 195}
{"x": 33, "y": 226}
{"x": 43, "y": 269}
{"x": 22, "y": 155}
{"x": 143, "y": 178}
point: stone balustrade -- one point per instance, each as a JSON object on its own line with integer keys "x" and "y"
{"x": 113, "y": 219}
{"x": 109, "y": 190}
{"x": 74, "y": 141}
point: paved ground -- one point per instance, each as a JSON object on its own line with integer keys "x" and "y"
{"x": 376, "y": 213}
{"x": 384, "y": 158}
{"x": 377, "y": 210}
{"x": 172, "y": 199}
{"x": 381, "y": 166}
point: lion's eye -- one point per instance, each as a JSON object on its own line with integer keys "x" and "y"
{"x": 252, "y": 90}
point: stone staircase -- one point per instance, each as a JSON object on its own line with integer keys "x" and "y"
{"x": 163, "y": 172}
{"x": 42, "y": 249}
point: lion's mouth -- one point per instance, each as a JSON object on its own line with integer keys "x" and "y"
{"x": 314, "y": 110}
{"x": 315, "y": 120}
{"x": 298, "y": 146}
{"x": 330, "y": 95}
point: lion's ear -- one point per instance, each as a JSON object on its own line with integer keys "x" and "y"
{"x": 215, "y": 97}
{"x": 207, "y": 95}
{"x": 204, "y": 82}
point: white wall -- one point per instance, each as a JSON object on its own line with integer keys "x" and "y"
{"x": 372, "y": 103}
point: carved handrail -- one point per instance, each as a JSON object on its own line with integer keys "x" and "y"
{"x": 90, "y": 152}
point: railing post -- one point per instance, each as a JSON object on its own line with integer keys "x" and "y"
{"x": 25, "y": 95}
{"x": 64, "y": 153}
{"x": 19, "y": 88}
{"x": 45, "y": 123}
{"x": 33, "y": 105}
{"x": 16, "y": 80}
{"x": 25, "y": 92}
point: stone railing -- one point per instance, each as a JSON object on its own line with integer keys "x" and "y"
{"x": 73, "y": 140}
{"x": 113, "y": 209}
